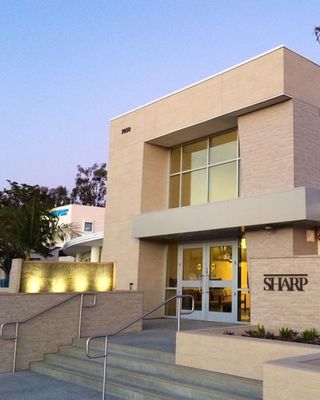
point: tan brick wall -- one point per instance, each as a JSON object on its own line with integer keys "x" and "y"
{"x": 301, "y": 78}
{"x": 44, "y": 334}
{"x": 155, "y": 178}
{"x": 266, "y": 150}
{"x": 306, "y": 144}
{"x": 276, "y": 309}
{"x": 152, "y": 273}
{"x": 263, "y": 244}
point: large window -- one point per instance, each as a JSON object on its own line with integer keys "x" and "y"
{"x": 205, "y": 171}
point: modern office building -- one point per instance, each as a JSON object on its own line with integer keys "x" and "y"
{"x": 214, "y": 190}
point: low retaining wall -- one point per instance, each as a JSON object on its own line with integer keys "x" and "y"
{"x": 233, "y": 355}
{"x": 45, "y": 333}
{"x": 292, "y": 378}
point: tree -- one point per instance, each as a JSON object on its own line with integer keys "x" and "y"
{"x": 317, "y": 33}
{"x": 90, "y": 186}
{"x": 27, "y": 224}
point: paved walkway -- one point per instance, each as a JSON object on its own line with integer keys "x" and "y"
{"x": 157, "y": 334}
{"x": 27, "y": 385}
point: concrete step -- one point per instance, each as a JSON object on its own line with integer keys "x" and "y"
{"x": 223, "y": 382}
{"x": 130, "y": 392}
{"x": 139, "y": 352}
{"x": 145, "y": 371}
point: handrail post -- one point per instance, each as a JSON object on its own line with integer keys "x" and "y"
{"x": 105, "y": 368}
{"x": 179, "y": 313}
{"x": 15, "y": 349}
{"x": 80, "y": 316}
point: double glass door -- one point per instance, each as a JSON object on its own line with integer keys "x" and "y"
{"x": 208, "y": 271}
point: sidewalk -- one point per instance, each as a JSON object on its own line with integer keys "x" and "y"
{"x": 27, "y": 385}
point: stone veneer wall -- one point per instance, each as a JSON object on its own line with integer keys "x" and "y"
{"x": 295, "y": 309}
{"x": 44, "y": 334}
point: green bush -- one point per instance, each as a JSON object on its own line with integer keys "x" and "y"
{"x": 286, "y": 333}
{"x": 309, "y": 335}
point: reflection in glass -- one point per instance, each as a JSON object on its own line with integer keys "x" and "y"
{"x": 223, "y": 182}
{"x": 174, "y": 191}
{"x": 243, "y": 275}
{"x": 194, "y": 155}
{"x": 220, "y": 263}
{"x": 223, "y": 147}
{"x": 194, "y": 188}
{"x": 175, "y": 160}
{"x": 220, "y": 299}
{"x": 172, "y": 264}
{"x": 170, "y": 308}
{"x": 192, "y": 264}
{"x": 244, "y": 305}
{"x": 187, "y": 302}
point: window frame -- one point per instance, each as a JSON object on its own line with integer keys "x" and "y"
{"x": 206, "y": 167}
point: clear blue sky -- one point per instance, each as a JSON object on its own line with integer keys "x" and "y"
{"x": 68, "y": 66}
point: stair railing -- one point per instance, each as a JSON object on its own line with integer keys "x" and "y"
{"x": 130, "y": 323}
{"x": 18, "y": 323}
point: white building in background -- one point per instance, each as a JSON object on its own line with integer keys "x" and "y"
{"x": 88, "y": 222}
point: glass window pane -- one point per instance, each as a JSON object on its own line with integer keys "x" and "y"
{"x": 223, "y": 147}
{"x": 220, "y": 299}
{"x": 170, "y": 308}
{"x": 194, "y": 155}
{"x": 192, "y": 264}
{"x": 174, "y": 191}
{"x": 223, "y": 182}
{"x": 187, "y": 302}
{"x": 172, "y": 265}
{"x": 175, "y": 160}
{"x": 221, "y": 263}
{"x": 194, "y": 188}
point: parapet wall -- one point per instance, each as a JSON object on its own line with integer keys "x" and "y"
{"x": 45, "y": 333}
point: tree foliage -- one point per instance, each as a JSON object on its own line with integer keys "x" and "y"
{"x": 90, "y": 186}
{"x": 27, "y": 224}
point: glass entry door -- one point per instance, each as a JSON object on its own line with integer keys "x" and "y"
{"x": 208, "y": 271}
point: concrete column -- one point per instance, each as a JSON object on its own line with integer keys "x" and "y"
{"x": 95, "y": 252}
{"x": 78, "y": 257}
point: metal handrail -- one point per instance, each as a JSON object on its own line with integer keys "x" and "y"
{"x": 130, "y": 323}
{"x": 18, "y": 323}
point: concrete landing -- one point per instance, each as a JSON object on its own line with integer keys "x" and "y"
{"x": 27, "y": 385}
{"x": 160, "y": 334}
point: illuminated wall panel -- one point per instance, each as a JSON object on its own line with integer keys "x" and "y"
{"x": 60, "y": 277}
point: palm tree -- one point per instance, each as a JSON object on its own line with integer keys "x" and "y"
{"x": 29, "y": 227}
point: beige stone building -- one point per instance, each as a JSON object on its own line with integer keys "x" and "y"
{"x": 214, "y": 191}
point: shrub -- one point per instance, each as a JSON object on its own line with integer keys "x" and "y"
{"x": 286, "y": 333}
{"x": 260, "y": 332}
{"x": 227, "y": 332}
{"x": 309, "y": 335}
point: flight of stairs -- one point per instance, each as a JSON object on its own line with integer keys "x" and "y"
{"x": 143, "y": 374}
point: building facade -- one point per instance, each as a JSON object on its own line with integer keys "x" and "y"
{"x": 207, "y": 184}
{"x": 88, "y": 223}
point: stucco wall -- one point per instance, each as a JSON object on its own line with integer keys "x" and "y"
{"x": 47, "y": 332}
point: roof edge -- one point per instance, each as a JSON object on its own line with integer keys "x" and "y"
{"x": 203, "y": 80}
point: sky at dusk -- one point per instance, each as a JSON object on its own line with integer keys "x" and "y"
{"x": 68, "y": 66}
